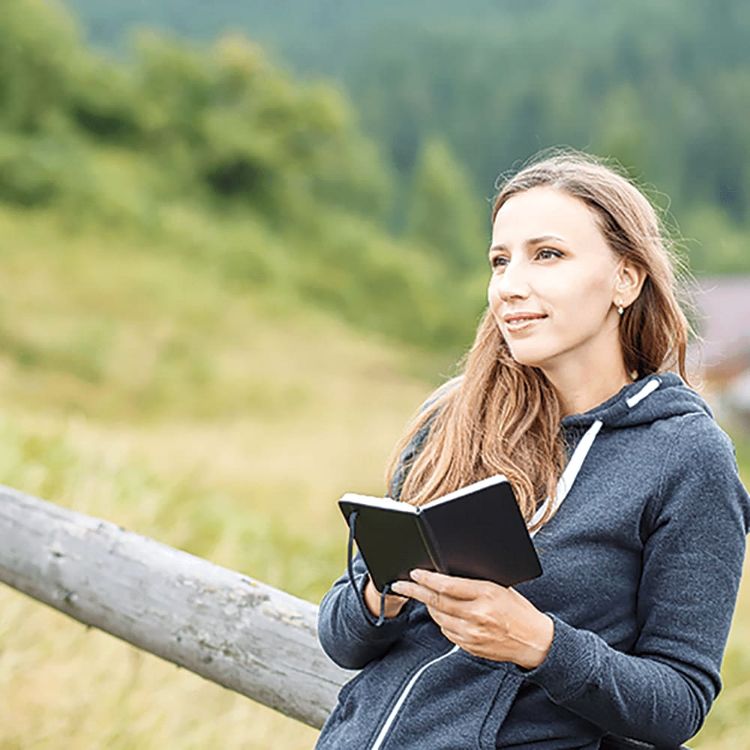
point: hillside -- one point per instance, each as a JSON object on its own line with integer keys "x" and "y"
{"x": 259, "y": 178}
{"x": 139, "y": 389}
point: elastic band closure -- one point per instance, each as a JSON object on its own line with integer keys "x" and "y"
{"x": 350, "y": 570}
{"x": 381, "y": 617}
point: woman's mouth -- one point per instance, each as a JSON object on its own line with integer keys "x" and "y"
{"x": 521, "y": 324}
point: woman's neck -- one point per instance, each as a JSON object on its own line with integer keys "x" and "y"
{"x": 579, "y": 391}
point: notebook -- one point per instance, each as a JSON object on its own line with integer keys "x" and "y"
{"x": 476, "y": 531}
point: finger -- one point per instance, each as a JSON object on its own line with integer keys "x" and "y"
{"x": 416, "y": 591}
{"x": 405, "y": 588}
{"x": 452, "y": 586}
{"x": 431, "y": 598}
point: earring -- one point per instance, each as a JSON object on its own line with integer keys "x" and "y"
{"x": 620, "y": 308}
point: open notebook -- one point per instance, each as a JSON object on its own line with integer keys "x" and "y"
{"x": 476, "y": 531}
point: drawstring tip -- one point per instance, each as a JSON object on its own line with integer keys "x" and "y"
{"x": 381, "y": 617}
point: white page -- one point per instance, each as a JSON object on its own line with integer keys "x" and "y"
{"x": 378, "y": 502}
{"x": 389, "y": 503}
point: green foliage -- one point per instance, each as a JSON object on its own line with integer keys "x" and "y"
{"x": 264, "y": 181}
{"x": 38, "y": 50}
{"x": 226, "y": 120}
{"x": 220, "y": 123}
{"x": 384, "y": 285}
{"x": 718, "y": 242}
{"x": 444, "y": 212}
{"x": 272, "y": 182}
{"x": 41, "y": 169}
{"x": 104, "y": 103}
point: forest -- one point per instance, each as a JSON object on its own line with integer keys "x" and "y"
{"x": 662, "y": 87}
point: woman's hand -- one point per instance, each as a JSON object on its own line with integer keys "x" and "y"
{"x": 483, "y": 618}
{"x": 393, "y": 604}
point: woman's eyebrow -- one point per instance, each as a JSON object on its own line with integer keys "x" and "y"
{"x": 529, "y": 242}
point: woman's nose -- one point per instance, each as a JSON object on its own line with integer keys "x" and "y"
{"x": 513, "y": 282}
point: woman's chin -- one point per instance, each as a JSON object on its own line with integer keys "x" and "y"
{"x": 529, "y": 358}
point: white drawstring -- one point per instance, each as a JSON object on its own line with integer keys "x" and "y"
{"x": 580, "y": 453}
{"x": 650, "y": 387}
{"x": 570, "y": 473}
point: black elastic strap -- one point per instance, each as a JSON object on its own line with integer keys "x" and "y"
{"x": 381, "y": 617}
{"x": 386, "y": 589}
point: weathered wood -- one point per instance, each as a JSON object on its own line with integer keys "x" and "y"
{"x": 226, "y": 627}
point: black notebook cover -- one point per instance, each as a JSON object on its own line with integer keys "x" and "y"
{"x": 476, "y": 532}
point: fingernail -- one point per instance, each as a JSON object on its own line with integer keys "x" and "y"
{"x": 397, "y": 587}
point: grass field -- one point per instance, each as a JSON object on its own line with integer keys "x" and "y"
{"x": 140, "y": 388}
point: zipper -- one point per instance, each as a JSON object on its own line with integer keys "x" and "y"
{"x": 563, "y": 486}
{"x": 401, "y": 698}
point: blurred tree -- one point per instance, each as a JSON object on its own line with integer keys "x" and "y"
{"x": 38, "y": 47}
{"x": 444, "y": 214}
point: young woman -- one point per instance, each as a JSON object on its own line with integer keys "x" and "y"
{"x": 641, "y": 539}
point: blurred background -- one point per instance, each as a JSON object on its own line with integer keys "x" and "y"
{"x": 241, "y": 242}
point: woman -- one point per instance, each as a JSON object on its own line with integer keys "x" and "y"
{"x": 624, "y": 632}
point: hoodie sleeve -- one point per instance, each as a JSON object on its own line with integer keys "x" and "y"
{"x": 347, "y": 631}
{"x": 662, "y": 691}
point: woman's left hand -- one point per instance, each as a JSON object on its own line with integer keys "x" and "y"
{"x": 483, "y": 618}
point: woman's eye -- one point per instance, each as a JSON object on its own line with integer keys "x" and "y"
{"x": 500, "y": 261}
{"x": 552, "y": 252}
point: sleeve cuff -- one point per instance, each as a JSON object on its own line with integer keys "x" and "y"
{"x": 389, "y": 624}
{"x": 569, "y": 663}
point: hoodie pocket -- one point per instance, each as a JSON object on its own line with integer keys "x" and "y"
{"x": 498, "y": 708}
{"x": 502, "y": 682}
{"x": 460, "y": 702}
{"x": 365, "y": 701}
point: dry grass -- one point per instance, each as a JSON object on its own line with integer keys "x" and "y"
{"x": 135, "y": 389}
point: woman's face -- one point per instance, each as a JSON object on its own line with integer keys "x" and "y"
{"x": 549, "y": 258}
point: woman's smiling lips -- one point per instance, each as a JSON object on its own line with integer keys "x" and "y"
{"x": 521, "y": 320}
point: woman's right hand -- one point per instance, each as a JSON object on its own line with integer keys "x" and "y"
{"x": 393, "y": 602}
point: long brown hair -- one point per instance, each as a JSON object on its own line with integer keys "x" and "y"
{"x": 502, "y": 417}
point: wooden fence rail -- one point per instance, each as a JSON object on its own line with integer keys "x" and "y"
{"x": 220, "y": 624}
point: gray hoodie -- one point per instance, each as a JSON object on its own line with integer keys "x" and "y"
{"x": 642, "y": 565}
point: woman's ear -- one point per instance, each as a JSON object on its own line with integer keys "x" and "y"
{"x": 629, "y": 282}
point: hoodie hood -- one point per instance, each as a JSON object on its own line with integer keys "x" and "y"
{"x": 643, "y": 401}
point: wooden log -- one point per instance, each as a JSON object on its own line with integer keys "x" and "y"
{"x": 220, "y": 624}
